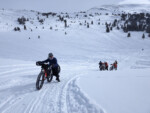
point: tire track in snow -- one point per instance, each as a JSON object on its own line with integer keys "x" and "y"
{"x": 35, "y": 103}
{"x": 14, "y": 77}
{"x": 77, "y": 102}
{"x": 15, "y": 70}
{"x": 18, "y": 65}
{"x": 16, "y": 92}
{"x": 16, "y": 95}
{"x": 63, "y": 97}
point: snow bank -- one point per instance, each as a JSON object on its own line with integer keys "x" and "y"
{"x": 124, "y": 91}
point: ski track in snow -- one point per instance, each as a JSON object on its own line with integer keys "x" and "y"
{"x": 19, "y": 95}
{"x": 78, "y": 102}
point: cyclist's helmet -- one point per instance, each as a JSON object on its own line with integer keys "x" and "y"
{"x": 50, "y": 54}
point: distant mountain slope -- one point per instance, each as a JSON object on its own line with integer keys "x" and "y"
{"x": 129, "y": 8}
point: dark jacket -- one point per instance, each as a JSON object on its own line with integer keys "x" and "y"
{"x": 52, "y": 62}
{"x": 100, "y": 63}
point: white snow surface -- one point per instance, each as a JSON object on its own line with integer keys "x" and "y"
{"x": 135, "y": 2}
{"x": 83, "y": 88}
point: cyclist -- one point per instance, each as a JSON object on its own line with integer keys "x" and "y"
{"x": 53, "y": 62}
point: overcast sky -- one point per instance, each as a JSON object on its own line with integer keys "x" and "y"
{"x": 61, "y": 5}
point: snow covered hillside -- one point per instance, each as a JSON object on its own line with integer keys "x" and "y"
{"x": 79, "y": 41}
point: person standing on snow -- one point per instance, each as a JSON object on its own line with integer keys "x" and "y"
{"x": 106, "y": 66}
{"x": 100, "y": 65}
{"x": 115, "y": 65}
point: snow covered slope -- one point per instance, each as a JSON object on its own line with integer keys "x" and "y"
{"x": 83, "y": 88}
{"x": 128, "y": 8}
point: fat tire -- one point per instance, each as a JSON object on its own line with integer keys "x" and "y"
{"x": 111, "y": 68}
{"x": 40, "y": 81}
{"x": 50, "y": 77}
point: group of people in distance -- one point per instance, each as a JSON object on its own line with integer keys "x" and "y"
{"x": 104, "y": 66}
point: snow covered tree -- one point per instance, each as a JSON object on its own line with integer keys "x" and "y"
{"x": 148, "y": 29}
{"x": 143, "y": 36}
{"x": 61, "y": 18}
{"x": 118, "y": 27}
{"x": 91, "y": 15}
{"x": 65, "y": 22}
{"x": 106, "y": 24}
{"x": 107, "y": 29}
{"x": 149, "y": 35}
{"x": 22, "y": 20}
{"x": 17, "y": 29}
{"x": 85, "y": 16}
{"x": 125, "y": 29}
{"x": 129, "y": 35}
{"x": 51, "y": 28}
{"x": 41, "y": 21}
{"x": 111, "y": 28}
{"x": 114, "y": 23}
{"x": 88, "y": 26}
{"x": 25, "y": 28}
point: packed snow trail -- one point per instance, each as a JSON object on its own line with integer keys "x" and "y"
{"x": 19, "y": 95}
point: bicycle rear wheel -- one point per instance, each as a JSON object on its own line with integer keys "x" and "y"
{"x": 50, "y": 76}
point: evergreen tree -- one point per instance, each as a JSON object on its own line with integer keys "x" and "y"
{"x": 129, "y": 35}
{"x": 143, "y": 36}
{"x": 88, "y": 25}
{"x": 107, "y": 29}
{"x": 15, "y": 29}
{"x": 65, "y": 22}
{"x": 111, "y": 28}
{"x": 148, "y": 29}
{"x": 118, "y": 27}
{"x": 18, "y": 28}
{"x": 25, "y": 28}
